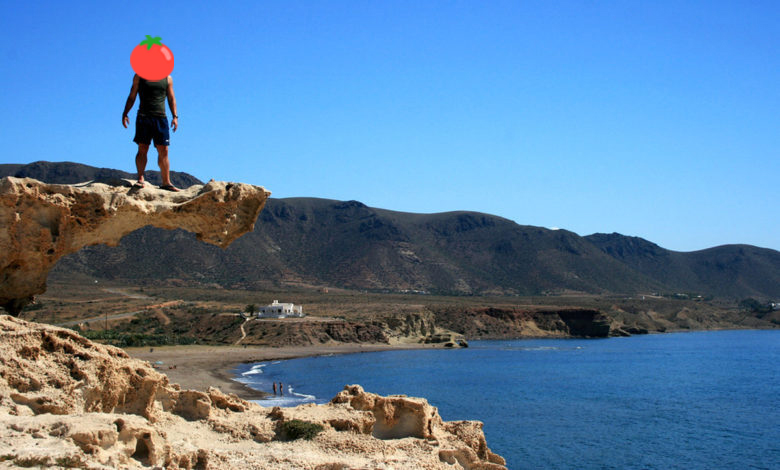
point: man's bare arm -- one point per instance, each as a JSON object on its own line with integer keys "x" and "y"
{"x": 172, "y": 104}
{"x": 130, "y": 101}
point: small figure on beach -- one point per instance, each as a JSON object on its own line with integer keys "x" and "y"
{"x": 274, "y": 388}
{"x": 151, "y": 124}
{"x": 281, "y": 389}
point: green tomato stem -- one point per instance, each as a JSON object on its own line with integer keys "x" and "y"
{"x": 150, "y": 41}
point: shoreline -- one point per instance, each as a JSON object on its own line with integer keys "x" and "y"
{"x": 199, "y": 367}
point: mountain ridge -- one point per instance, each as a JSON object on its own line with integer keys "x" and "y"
{"x": 72, "y": 173}
{"x": 323, "y": 242}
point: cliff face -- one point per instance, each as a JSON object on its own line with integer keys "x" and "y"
{"x": 44, "y": 222}
{"x": 512, "y": 322}
{"x": 408, "y": 328}
{"x": 68, "y": 402}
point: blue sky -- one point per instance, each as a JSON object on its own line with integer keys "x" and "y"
{"x": 656, "y": 119}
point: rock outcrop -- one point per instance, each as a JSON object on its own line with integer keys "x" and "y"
{"x": 398, "y": 417}
{"x": 390, "y": 329}
{"x": 43, "y": 222}
{"x": 510, "y": 322}
{"x": 68, "y": 402}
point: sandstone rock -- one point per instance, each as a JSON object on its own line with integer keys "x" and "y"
{"x": 447, "y": 338}
{"x": 43, "y": 222}
{"x": 68, "y": 402}
{"x": 395, "y": 416}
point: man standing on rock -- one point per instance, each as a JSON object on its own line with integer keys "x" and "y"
{"x": 152, "y": 124}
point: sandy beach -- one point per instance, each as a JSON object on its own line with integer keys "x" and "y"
{"x": 201, "y": 367}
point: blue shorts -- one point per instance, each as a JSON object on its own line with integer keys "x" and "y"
{"x": 148, "y": 128}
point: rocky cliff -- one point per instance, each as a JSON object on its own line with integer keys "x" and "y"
{"x": 68, "y": 402}
{"x": 517, "y": 322}
{"x": 407, "y": 328}
{"x": 43, "y": 222}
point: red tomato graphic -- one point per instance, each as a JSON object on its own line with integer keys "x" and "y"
{"x": 152, "y": 60}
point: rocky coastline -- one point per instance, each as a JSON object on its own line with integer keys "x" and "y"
{"x": 67, "y": 402}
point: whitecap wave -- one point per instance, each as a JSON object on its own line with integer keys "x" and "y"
{"x": 303, "y": 397}
{"x": 256, "y": 369}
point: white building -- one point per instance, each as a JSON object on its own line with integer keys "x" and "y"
{"x": 277, "y": 310}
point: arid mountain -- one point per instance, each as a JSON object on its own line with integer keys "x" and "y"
{"x": 350, "y": 244}
{"x": 347, "y": 244}
{"x": 728, "y": 270}
{"x": 319, "y": 242}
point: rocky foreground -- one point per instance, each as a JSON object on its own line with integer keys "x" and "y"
{"x": 68, "y": 402}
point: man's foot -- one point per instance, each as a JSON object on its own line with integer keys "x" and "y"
{"x": 139, "y": 184}
{"x": 170, "y": 187}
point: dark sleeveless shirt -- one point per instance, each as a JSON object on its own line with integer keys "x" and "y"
{"x": 153, "y": 95}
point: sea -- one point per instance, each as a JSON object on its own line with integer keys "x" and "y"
{"x": 699, "y": 400}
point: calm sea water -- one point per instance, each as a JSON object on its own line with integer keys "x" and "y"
{"x": 705, "y": 400}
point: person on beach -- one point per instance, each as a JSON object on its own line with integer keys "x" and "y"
{"x": 274, "y": 388}
{"x": 151, "y": 124}
{"x": 281, "y": 389}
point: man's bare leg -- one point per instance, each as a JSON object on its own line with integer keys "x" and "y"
{"x": 140, "y": 161}
{"x": 165, "y": 167}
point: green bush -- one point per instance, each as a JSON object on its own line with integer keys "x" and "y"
{"x": 754, "y": 306}
{"x": 127, "y": 340}
{"x": 297, "y": 429}
{"x": 33, "y": 306}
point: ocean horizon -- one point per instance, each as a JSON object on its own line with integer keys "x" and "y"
{"x": 698, "y": 400}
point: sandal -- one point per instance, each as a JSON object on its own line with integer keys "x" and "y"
{"x": 170, "y": 187}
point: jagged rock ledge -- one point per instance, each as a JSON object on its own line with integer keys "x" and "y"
{"x": 68, "y": 402}
{"x": 43, "y": 222}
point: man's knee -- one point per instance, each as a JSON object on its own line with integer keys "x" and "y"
{"x": 143, "y": 149}
{"x": 162, "y": 151}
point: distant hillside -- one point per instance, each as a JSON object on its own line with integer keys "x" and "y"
{"x": 319, "y": 242}
{"x": 9, "y": 169}
{"x": 728, "y": 270}
{"x": 347, "y": 244}
{"x": 70, "y": 173}
{"x": 456, "y": 252}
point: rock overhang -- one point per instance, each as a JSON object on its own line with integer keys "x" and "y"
{"x": 40, "y": 222}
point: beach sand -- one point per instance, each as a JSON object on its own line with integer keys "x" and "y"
{"x": 201, "y": 367}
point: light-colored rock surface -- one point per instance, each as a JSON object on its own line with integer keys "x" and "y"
{"x": 68, "y": 402}
{"x": 40, "y": 223}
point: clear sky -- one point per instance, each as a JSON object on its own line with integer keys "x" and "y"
{"x": 656, "y": 119}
